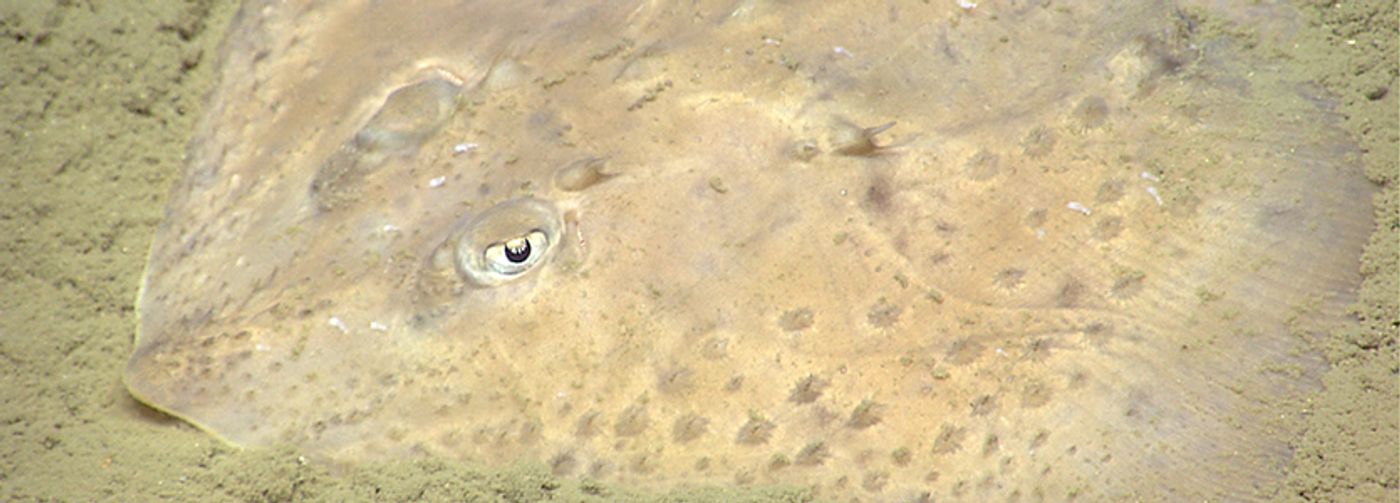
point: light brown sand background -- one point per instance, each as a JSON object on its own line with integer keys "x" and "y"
{"x": 97, "y": 99}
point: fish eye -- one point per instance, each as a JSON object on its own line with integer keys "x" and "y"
{"x": 517, "y": 255}
{"x": 507, "y": 241}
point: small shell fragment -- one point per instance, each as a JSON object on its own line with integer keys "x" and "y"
{"x": 1078, "y": 206}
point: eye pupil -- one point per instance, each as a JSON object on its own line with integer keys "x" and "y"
{"x": 517, "y": 250}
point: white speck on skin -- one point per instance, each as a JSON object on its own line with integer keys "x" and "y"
{"x": 1078, "y": 206}
{"x": 378, "y": 327}
{"x": 464, "y": 148}
{"x": 1155, "y": 196}
{"x": 260, "y": 347}
{"x": 842, "y": 51}
{"x": 1150, "y": 177}
{"x": 967, "y": 4}
{"x": 437, "y": 182}
{"x": 337, "y": 323}
{"x": 389, "y": 228}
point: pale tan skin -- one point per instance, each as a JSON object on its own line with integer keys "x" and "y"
{"x": 1029, "y": 285}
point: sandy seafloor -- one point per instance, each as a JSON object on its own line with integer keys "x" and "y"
{"x": 97, "y": 99}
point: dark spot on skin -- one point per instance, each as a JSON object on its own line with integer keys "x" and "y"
{"x": 1099, "y": 329}
{"x": 949, "y": 439}
{"x": 642, "y": 464}
{"x": 1010, "y": 278}
{"x": 734, "y": 384}
{"x": 1182, "y": 203}
{"x": 563, "y": 464}
{"x": 1109, "y": 192}
{"x": 1091, "y": 113}
{"x": 1039, "y": 142}
{"x": 1035, "y": 218}
{"x": 983, "y": 405}
{"x": 743, "y": 477}
{"x": 1039, "y": 439}
{"x": 1035, "y": 394}
{"x": 1070, "y": 292}
{"x": 755, "y": 431}
{"x": 964, "y": 351}
{"x": 632, "y": 422}
{"x": 1039, "y": 349}
{"x": 689, "y": 427}
{"x": 530, "y": 431}
{"x": 588, "y": 425}
{"x": 875, "y": 481}
{"x": 796, "y": 319}
{"x": 982, "y": 166}
{"x": 990, "y": 446}
{"x": 1078, "y": 380}
{"x": 1108, "y": 228}
{"x": 599, "y": 469}
{"x": 1128, "y": 284}
{"x": 865, "y": 415}
{"x": 812, "y": 454}
{"x": 902, "y": 456}
{"x": 808, "y": 390}
{"x": 675, "y": 381}
{"x": 883, "y": 314}
{"x": 878, "y": 197}
{"x": 778, "y": 462}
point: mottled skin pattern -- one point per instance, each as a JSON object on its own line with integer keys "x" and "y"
{"x": 895, "y": 251}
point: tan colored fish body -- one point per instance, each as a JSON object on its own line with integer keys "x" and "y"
{"x": 892, "y": 251}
